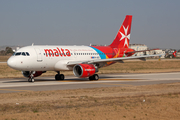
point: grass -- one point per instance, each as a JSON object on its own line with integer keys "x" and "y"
{"x": 161, "y": 102}
{"x": 4, "y": 58}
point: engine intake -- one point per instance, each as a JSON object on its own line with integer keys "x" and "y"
{"x": 84, "y": 70}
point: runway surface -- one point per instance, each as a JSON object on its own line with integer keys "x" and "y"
{"x": 3, "y": 62}
{"x": 71, "y": 82}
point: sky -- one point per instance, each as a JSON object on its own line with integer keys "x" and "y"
{"x": 155, "y": 23}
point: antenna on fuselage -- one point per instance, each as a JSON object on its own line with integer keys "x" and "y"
{"x": 32, "y": 44}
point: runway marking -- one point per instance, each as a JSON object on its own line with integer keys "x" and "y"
{"x": 112, "y": 84}
{"x": 15, "y": 90}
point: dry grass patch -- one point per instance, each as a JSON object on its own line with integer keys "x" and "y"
{"x": 161, "y": 102}
{"x": 142, "y": 67}
{"x": 4, "y": 58}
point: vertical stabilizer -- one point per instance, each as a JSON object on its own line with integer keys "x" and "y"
{"x": 174, "y": 53}
{"x": 123, "y": 36}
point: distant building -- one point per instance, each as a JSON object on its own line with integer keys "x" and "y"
{"x": 178, "y": 54}
{"x": 139, "y": 47}
{"x": 160, "y": 52}
{"x": 17, "y": 48}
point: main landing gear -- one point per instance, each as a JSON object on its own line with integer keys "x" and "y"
{"x": 94, "y": 77}
{"x": 59, "y": 76}
{"x": 31, "y": 76}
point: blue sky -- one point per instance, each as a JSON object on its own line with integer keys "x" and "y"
{"x": 81, "y": 22}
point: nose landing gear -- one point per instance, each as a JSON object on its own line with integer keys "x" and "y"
{"x": 31, "y": 76}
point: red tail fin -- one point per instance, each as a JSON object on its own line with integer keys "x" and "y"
{"x": 123, "y": 36}
{"x": 174, "y": 53}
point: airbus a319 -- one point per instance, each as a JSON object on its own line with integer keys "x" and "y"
{"x": 84, "y": 61}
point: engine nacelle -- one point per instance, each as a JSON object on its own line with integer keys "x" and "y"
{"x": 35, "y": 73}
{"x": 84, "y": 70}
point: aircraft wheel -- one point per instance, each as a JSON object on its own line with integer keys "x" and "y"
{"x": 32, "y": 80}
{"x": 91, "y": 78}
{"x": 59, "y": 77}
{"x": 96, "y": 77}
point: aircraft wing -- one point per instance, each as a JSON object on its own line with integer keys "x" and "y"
{"x": 120, "y": 59}
{"x": 141, "y": 51}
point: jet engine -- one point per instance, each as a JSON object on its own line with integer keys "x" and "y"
{"x": 84, "y": 70}
{"x": 35, "y": 73}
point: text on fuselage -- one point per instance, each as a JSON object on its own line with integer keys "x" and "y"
{"x": 57, "y": 52}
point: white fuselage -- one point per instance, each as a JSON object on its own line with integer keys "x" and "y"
{"x": 50, "y": 58}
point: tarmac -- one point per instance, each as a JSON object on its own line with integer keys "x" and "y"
{"x": 71, "y": 82}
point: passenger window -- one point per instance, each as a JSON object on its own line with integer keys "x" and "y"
{"x": 23, "y": 53}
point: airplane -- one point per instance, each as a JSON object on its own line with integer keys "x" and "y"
{"x": 84, "y": 61}
{"x": 171, "y": 54}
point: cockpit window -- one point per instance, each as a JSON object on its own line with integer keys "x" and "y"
{"x": 27, "y": 53}
{"x": 23, "y": 53}
{"x": 18, "y": 53}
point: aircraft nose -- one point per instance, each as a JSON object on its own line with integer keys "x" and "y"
{"x": 11, "y": 63}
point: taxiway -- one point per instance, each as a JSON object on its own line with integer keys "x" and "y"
{"x": 71, "y": 82}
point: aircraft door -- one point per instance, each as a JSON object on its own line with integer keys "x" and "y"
{"x": 39, "y": 55}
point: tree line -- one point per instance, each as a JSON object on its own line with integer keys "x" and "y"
{"x": 7, "y": 51}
